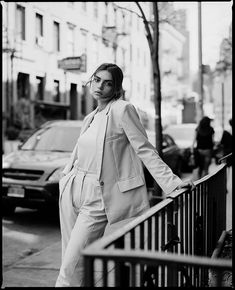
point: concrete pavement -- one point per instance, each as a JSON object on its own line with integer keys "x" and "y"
{"x": 41, "y": 268}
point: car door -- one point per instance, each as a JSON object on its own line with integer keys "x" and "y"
{"x": 171, "y": 153}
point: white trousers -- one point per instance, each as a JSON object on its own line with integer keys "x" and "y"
{"x": 82, "y": 221}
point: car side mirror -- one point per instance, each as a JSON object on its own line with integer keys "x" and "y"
{"x": 164, "y": 145}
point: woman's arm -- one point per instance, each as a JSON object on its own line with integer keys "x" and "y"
{"x": 137, "y": 137}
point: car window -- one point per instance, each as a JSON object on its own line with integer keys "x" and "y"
{"x": 182, "y": 133}
{"x": 53, "y": 139}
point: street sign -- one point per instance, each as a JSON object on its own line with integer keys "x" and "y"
{"x": 73, "y": 63}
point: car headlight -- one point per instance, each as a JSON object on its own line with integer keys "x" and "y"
{"x": 56, "y": 175}
{"x": 5, "y": 164}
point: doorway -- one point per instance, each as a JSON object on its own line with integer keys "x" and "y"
{"x": 73, "y": 102}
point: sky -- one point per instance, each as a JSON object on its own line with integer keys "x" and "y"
{"x": 216, "y": 18}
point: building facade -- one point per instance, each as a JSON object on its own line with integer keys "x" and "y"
{"x": 222, "y": 84}
{"x": 50, "y": 50}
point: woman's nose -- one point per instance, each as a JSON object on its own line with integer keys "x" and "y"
{"x": 100, "y": 85}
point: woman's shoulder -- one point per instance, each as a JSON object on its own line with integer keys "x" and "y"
{"x": 122, "y": 105}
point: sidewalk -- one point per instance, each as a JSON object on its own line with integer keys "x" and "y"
{"x": 41, "y": 269}
{"x": 38, "y": 270}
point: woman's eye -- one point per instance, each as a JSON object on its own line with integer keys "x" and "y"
{"x": 109, "y": 84}
{"x": 95, "y": 79}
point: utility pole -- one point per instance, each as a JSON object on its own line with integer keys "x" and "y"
{"x": 200, "y": 72}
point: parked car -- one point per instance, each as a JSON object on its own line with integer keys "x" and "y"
{"x": 183, "y": 135}
{"x": 171, "y": 154}
{"x": 31, "y": 174}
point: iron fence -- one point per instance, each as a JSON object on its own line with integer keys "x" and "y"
{"x": 169, "y": 245}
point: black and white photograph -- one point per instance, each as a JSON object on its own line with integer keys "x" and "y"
{"x": 117, "y": 144}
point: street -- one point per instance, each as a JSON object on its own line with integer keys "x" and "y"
{"x": 27, "y": 232}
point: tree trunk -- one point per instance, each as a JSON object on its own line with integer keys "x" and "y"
{"x": 153, "y": 41}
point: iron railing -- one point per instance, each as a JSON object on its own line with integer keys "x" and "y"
{"x": 169, "y": 245}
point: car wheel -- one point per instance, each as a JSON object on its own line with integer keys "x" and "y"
{"x": 8, "y": 209}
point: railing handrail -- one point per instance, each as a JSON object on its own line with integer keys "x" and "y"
{"x": 109, "y": 239}
{"x": 225, "y": 158}
{"x": 106, "y": 241}
{"x": 155, "y": 257}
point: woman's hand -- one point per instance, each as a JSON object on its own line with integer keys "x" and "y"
{"x": 186, "y": 184}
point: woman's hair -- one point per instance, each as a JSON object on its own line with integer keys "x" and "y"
{"x": 117, "y": 77}
{"x": 204, "y": 125}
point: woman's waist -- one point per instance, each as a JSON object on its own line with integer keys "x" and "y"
{"x": 83, "y": 169}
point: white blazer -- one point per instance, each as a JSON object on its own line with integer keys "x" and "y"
{"x": 122, "y": 146}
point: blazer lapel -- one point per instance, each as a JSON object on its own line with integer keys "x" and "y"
{"x": 101, "y": 138}
{"x": 88, "y": 121}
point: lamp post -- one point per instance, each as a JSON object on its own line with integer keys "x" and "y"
{"x": 200, "y": 73}
{"x": 221, "y": 69}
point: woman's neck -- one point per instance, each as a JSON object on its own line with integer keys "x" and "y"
{"x": 102, "y": 105}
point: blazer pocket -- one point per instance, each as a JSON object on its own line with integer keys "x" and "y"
{"x": 129, "y": 184}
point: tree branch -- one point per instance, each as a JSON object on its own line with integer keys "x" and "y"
{"x": 155, "y": 30}
{"x": 146, "y": 24}
{"x": 129, "y": 10}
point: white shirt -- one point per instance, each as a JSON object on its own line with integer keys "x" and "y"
{"x": 87, "y": 144}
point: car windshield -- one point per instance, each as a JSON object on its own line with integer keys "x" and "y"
{"x": 62, "y": 139}
{"x": 183, "y": 133}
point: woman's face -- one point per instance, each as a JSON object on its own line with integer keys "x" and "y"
{"x": 102, "y": 86}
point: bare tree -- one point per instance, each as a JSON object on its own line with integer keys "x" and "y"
{"x": 152, "y": 34}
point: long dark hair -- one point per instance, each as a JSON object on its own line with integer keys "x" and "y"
{"x": 117, "y": 77}
{"x": 204, "y": 126}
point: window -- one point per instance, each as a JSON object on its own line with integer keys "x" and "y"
{"x": 70, "y": 4}
{"x": 70, "y": 42}
{"x": 95, "y": 50}
{"x": 130, "y": 52}
{"x": 138, "y": 89}
{"x": 83, "y": 100}
{"x": 56, "y": 36}
{"x": 106, "y": 17}
{"x": 95, "y": 9}
{"x": 145, "y": 91}
{"x": 20, "y": 22}
{"x": 39, "y": 89}
{"x": 84, "y": 6}
{"x": 137, "y": 24}
{"x": 130, "y": 20}
{"x": 56, "y": 92}
{"x": 123, "y": 58}
{"x": 83, "y": 42}
{"x": 39, "y": 29}
{"x": 123, "y": 22}
{"x": 138, "y": 56}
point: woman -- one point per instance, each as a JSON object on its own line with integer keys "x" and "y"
{"x": 204, "y": 138}
{"x": 104, "y": 180}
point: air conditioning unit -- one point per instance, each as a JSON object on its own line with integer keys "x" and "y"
{"x": 39, "y": 40}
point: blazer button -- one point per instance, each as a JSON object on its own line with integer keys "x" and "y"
{"x": 101, "y": 183}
